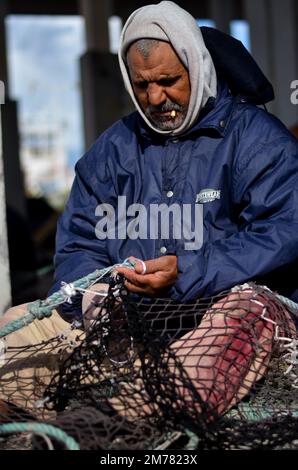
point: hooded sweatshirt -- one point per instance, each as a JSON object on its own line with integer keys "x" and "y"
{"x": 166, "y": 21}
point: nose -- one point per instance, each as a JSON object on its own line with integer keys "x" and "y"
{"x": 156, "y": 94}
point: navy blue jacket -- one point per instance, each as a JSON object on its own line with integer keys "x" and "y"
{"x": 236, "y": 149}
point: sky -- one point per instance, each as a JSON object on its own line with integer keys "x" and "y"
{"x": 44, "y": 73}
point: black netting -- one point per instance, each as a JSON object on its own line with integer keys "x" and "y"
{"x": 153, "y": 374}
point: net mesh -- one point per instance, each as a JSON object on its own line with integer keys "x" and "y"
{"x": 155, "y": 374}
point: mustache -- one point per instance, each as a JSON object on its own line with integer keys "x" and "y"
{"x": 164, "y": 107}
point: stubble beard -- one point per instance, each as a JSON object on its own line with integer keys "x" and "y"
{"x": 166, "y": 123}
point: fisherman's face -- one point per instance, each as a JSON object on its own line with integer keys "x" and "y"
{"x": 161, "y": 85}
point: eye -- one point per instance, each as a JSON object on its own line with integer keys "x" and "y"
{"x": 141, "y": 85}
{"x": 169, "y": 81}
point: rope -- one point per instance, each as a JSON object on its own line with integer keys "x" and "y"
{"x": 41, "y": 428}
{"x": 253, "y": 413}
{"x": 288, "y": 302}
{"x": 43, "y": 308}
{"x": 193, "y": 440}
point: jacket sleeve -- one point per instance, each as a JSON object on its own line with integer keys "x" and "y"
{"x": 265, "y": 204}
{"x": 78, "y": 251}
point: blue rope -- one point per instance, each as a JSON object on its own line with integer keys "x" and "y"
{"x": 41, "y": 428}
{"x": 43, "y": 308}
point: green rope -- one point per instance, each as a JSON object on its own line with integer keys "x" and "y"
{"x": 43, "y": 308}
{"x": 193, "y": 440}
{"x": 41, "y": 428}
{"x": 252, "y": 413}
{"x": 288, "y": 302}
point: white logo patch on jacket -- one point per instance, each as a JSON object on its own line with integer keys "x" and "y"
{"x": 208, "y": 195}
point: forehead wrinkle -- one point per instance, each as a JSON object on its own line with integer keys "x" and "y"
{"x": 153, "y": 71}
{"x": 162, "y": 56}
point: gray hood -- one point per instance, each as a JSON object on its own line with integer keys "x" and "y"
{"x": 168, "y": 22}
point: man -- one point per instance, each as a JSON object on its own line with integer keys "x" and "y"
{"x": 233, "y": 159}
{"x": 228, "y": 172}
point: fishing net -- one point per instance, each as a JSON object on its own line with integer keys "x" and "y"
{"x": 217, "y": 373}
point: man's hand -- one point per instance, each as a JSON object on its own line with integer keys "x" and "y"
{"x": 160, "y": 273}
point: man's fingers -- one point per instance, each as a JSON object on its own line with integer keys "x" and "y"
{"x": 135, "y": 289}
{"x": 151, "y": 266}
{"x": 141, "y": 267}
{"x": 151, "y": 276}
{"x": 137, "y": 279}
